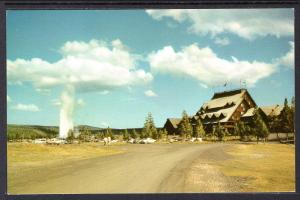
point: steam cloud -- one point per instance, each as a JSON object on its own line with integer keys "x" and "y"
{"x": 66, "y": 112}
{"x": 84, "y": 67}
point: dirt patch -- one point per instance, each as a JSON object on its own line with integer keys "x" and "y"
{"x": 204, "y": 176}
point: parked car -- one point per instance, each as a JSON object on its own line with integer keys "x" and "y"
{"x": 39, "y": 141}
{"x": 56, "y": 141}
{"x": 147, "y": 141}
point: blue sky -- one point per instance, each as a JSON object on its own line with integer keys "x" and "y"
{"x": 123, "y": 64}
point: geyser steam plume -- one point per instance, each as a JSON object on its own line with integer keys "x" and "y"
{"x": 66, "y": 112}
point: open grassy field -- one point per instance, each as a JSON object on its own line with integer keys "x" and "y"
{"x": 265, "y": 167}
{"x": 28, "y": 154}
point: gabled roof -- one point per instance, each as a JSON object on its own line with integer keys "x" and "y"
{"x": 222, "y": 105}
{"x": 174, "y": 121}
{"x": 223, "y": 99}
{"x": 249, "y": 113}
{"x": 273, "y": 110}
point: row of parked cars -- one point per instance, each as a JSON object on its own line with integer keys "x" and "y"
{"x": 58, "y": 141}
{"x": 55, "y": 141}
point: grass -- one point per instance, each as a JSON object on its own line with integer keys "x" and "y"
{"x": 266, "y": 167}
{"x": 27, "y": 154}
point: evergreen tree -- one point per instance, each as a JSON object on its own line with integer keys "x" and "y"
{"x": 133, "y": 134}
{"x": 293, "y": 103}
{"x": 236, "y": 131}
{"x": 292, "y": 114}
{"x": 70, "y": 137}
{"x": 185, "y": 127}
{"x": 159, "y": 134}
{"x": 143, "y": 134}
{"x": 109, "y": 133}
{"x": 274, "y": 124}
{"x": 199, "y": 129}
{"x": 149, "y": 129}
{"x": 165, "y": 134}
{"x": 286, "y": 119}
{"x": 260, "y": 128}
{"x": 242, "y": 130}
{"x": 126, "y": 135}
{"x": 219, "y": 132}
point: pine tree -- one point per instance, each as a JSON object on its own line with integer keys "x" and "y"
{"x": 149, "y": 129}
{"x": 185, "y": 126}
{"x": 260, "y": 128}
{"x": 109, "y": 133}
{"x": 286, "y": 119}
{"x": 70, "y": 137}
{"x": 126, "y": 135}
{"x": 236, "y": 131}
{"x": 293, "y": 103}
{"x": 165, "y": 134}
{"x": 219, "y": 132}
{"x": 199, "y": 130}
{"x": 274, "y": 124}
{"x": 133, "y": 134}
{"x": 292, "y": 114}
{"x": 159, "y": 134}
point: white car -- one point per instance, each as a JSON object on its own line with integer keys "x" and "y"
{"x": 147, "y": 141}
{"x": 39, "y": 141}
{"x": 56, "y": 141}
{"x": 132, "y": 141}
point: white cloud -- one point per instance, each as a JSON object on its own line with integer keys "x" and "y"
{"x": 150, "y": 93}
{"x": 56, "y": 102}
{"x": 26, "y": 107}
{"x": 43, "y": 91}
{"x": 288, "y": 60}
{"x": 80, "y": 102}
{"x": 222, "y": 41}
{"x": 88, "y": 66}
{"x": 8, "y": 99}
{"x": 205, "y": 66}
{"x": 246, "y": 23}
{"x": 104, "y": 92}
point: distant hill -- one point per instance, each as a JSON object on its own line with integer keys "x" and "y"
{"x": 31, "y": 131}
{"x": 15, "y": 131}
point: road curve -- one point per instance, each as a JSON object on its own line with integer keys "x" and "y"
{"x": 147, "y": 168}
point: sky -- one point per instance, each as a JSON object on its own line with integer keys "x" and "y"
{"x": 118, "y": 65}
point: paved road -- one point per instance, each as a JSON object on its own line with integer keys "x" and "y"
{"x": 148, "y": 168}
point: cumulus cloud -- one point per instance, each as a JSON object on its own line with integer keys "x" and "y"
{"x": 104, "y": 92}
{"x": 57, "y": 102}
{"x": 222, "y": 41}
{"x": 43, "y": 91}
{"x": 246, "y": 23}
{"x": 288, "y": 60}
{"x": 26, "y": 107}
{"x": 80, "y": 102}
{"x": 87, "y": 66}
{"x": 8, "y": 99}
{"x": 150, "y": 93}
{"x": 205, "y": 66}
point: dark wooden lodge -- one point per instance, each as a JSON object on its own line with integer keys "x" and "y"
{"x": 226, "y": 108}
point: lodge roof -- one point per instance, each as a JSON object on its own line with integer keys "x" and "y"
{"x": 249, "y": 113}
{"x": 174, "y": 121}
{"x": 222, "y": 105}
{"x": 273, "y": 110}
